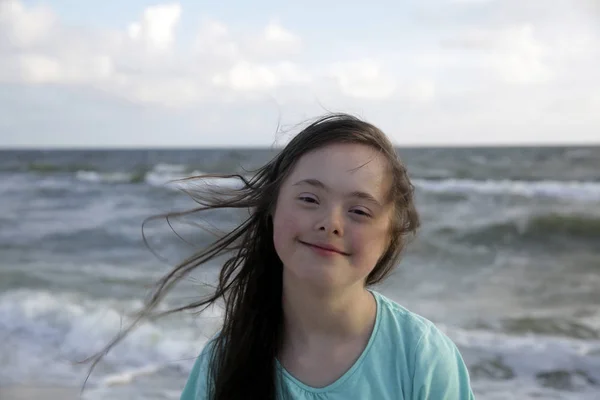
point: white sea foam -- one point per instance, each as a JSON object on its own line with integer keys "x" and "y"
{"x": 527, "y": 358}
{"x": 169, "y": 168}
{"x": 44, "y": 329}
{"x": 573, "y": 190}
{"x": 174, "y": 182}
{"x": 164, "y": 175}
{"x": 47, "y": 333}
{"x": 170, "y": 176}
{"x": 107, "y": 177}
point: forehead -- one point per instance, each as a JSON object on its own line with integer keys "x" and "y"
{"x": 345, "y": 167}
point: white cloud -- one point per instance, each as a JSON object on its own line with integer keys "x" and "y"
{"x": 272, "y": 43}
{"x": 422, "y": 91}
{"x": 364, "y": 79}
{"x": 215, "y": 44}
{"x": 140, "y": 63}
{"x": 39, "y": 69}
{"x": 25, "y": 27}
{"x": 513, "y": 54}
{"x": 157, "y": 28}
{"x": 496, "y": 72}
{"x": 275, "y": 33}
{"x": 519, "y": 57}
{"x": 245, "y": 76}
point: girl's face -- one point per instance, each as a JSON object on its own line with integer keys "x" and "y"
{"x": 332, "y": 219}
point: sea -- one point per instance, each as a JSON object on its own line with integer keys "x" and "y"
{"x": 507, "y": 264}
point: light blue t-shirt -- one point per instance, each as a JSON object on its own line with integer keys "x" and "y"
{"x": 406, "y": 358}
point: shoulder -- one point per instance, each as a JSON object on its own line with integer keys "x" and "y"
{"x": 398, "y": 320}
{"x": 436, "y": 366}
{"x": 196, "y": 387}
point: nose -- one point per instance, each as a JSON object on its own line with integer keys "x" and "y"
{"x": 331, "y": 222}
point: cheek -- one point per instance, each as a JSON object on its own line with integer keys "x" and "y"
{"x": 369, "y": 245}
{"x": 286, "y": 227}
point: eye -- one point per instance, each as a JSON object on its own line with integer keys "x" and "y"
{"x": 361, "y": 212}
{"x": 308, "y": 199}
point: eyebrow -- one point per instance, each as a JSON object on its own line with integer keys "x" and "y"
{"x": 357, "y": 193}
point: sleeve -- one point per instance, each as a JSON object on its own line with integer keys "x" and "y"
{"x": 440, "y": 371}
{"x": 196, "y": 386}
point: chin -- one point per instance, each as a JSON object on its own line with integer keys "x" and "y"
{"x": 315, "y": 273}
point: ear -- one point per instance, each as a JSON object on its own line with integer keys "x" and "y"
{"x": 271, "y": 211}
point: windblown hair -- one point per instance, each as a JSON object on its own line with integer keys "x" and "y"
{"x": 243, "y": 360}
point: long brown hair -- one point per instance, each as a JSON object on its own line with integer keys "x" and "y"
{"x": 243, "y": 361}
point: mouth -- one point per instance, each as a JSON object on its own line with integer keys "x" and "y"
{"x": 324, "y": 248}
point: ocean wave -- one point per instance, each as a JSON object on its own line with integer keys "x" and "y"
{"x": 74, "y": 168}
{"x": 577, "y": 190}
{"x": 175, "y": 181}
{"x": 43, "y": 328}
{"x": 543, "y": 325}
{"x": 40, "y": 329}
{"x": 163, "y": 174}
{"x": 486, "y": 389}
{"x": 168, "y": 176}
{"x": 569, "y": 190}
{"x": 536, "y": 229}
{"x": 556, "y": 363}
{"x": 109, "y": 177}
{"x": 170, "y": 168}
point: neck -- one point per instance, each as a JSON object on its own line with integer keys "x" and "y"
{"x": 320, "y": 316}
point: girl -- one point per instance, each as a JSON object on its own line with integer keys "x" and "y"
{"x": 330, "y": 215}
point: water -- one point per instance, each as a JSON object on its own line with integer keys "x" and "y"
{"x": 507, "y": 263}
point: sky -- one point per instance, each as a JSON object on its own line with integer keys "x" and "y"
{"x": 238, "y": 73}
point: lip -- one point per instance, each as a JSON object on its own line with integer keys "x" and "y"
{"x": 325, "y": 247}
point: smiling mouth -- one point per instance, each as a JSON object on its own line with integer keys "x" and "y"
{"x": 327, "y": 249}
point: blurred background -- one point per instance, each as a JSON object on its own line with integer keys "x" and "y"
{"x": 493, "y": 105}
